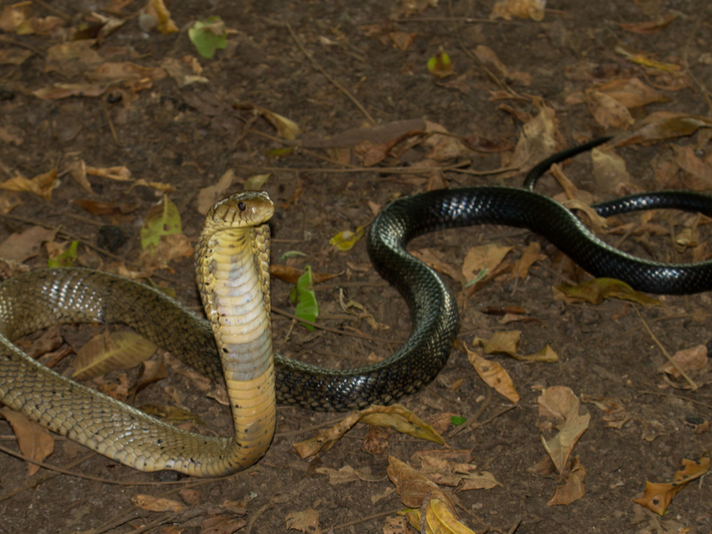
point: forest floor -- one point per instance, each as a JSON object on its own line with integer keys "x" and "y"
{"x": 148, "y": 118}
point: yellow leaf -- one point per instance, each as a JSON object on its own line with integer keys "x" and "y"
{"x": 597, "y": 290}
{"x": 157, "y": 504}
{"x": 494, "y": 375}
{"x": 104, "y": 353}
{"x": 346, "y": 240}
{"x": 439, "y": 65}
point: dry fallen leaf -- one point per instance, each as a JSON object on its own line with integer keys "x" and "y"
{"x": 573, "y": 489}
{"x": 157, "y": 504}
{"x": 41, "y": 185}
{"x": 609, "y": 171}
{"x": 524, "y": 9}
{"x": 483, "y": 258}
{"x": 494, "y": 375}
{"x": 307, "y": 521}
{"x": 35, "y": 441}
{"x": 597, "y": 290}
{"x": 658, "y": 496}
{"x": 20, "y": 247}
{"x": 395, "y": 417}
{"x": 107, "y": 352}
{"x": 697, "y": 173}
{"x": 559, "y": 405}
{"x": 689, "y": 360}
{"x": 343, "y": 476}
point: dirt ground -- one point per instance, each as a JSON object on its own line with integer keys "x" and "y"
{"x": 190, "y": 136}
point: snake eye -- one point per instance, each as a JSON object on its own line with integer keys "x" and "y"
{"x": 241, "y": 206}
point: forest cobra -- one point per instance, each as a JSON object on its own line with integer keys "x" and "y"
{"x": 235, "y": 342}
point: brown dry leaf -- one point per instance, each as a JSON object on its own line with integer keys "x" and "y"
{"x": 439, "y": 519}
{"x": 21, "y": 247}
{"x": 559, "y": 404}
{"x": 107, "y": 352}
{"x": 157, "y": 9}
{"x": 159, "y": 186}
{"x": 65, "y": 90}
{"x": 169, "y": 247}
{"x": 50, "y": 340}
{"x": 35, "y": 441}
{"x": 537, "y": 141}
{"x": 72, "y": 58}
{"x": 402, "y": 40}
{"x": 120, "y": 173}
{"x": 478, "y": 480}
{"x": 608, "y": 111}
{"x": 413, "y": 486}
{"x": 171, "y": 414}
{"x": 14, "y": 15}
{"x": 653, "y": 26}
{"x": 432, "y": 258}
{"x": 284, "y": 126}
{"x": 631, "y": 92}
{"x": 343, "y": 476}
{"x": 157, "y": 504}
{"x": 78, "y": 170}
{"x": 573, "y": 489}
{"x": 494, "y": 375}
{"x": 489, "y": 59}
{"x": 41, "y": 185}
{"x": 371, "y": 153}
{"x": 376, "y": 441}
{"x": 184, "y": 73}
{"x": 597, "y": 290}
{"x": 545, "y": 355}
{"x": 221, "y": 525}
{"x": 609, "y": 171}
{"x": 105, "y": 208}
{"x": 506, "y": 342}
{"x": 483, "y": 258}
{"x": 658, "y": 496}
{"x": 359, "y": 310}
{"x": 307, "y": 521}
{"x": 698, "y": 174}
{"x": 524, "y": 9}
{"x": 690, "y": 360}
{"x": 661, "y": 126}
{"x": 291, "y": 274}
{"x": 396, "y": 417}
{"x": 124, "y": 71}
{"x": 11, "y": 134}
{"x": 530, "y": 257}
{"x": 14, "y": 56}
{"x": 443, "y": 147}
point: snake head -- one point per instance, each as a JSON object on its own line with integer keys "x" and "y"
{"x": 251, "y": 208}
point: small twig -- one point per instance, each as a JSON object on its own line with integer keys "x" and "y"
{"x": 495, "y": 416}
{"x": 52, "y": 9}
{"x": 382, "y": 170}
{"x": 111, "y": 124}
{"x": 360, "y": 335}
{"x": 367, "y": 518}
{"x": 23, "y": 45}
{"x": 475, "y": 418}
{"x": 308, "y": 429}
{"x": 701, "y": 86}
{"x": 80, "y": 475}
{"x": 665, "y": 352}
{"x": 245, "y": 130}
{"x": 326, "y": 74}
{"x": 257, "y": 514}
{"x": 474, "y": 58}
{"x": 671, "y": 395}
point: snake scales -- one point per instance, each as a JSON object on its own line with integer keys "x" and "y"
{"x": 232, "y": 274}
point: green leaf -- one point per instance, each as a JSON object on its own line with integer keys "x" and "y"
{"x": 208, "y": 35}
{"x": 276, "y": 153}
{"x": 307, "y": 306}
{"x": 290, "y": 254}
{"x": 66, "y": 258}
{"x": 162, "y": 219}
{"x": 458, "y": 420}
{"x": 480, "y": 276}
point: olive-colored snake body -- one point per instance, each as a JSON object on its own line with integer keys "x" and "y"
{"x": 234, "y": 283}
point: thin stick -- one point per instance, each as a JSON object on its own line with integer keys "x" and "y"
{"x": 326, "y": 74}
{"x": 257, "y": 514}
{"x": 360, "y": 335}
{"x": 665, "y": 352}
{"x": 308, "y": 429}
{"x": 87, "y": 477}
{"x": 111, "y": 124}
{"x": 382, "y": 170}
{"x": 701, "y": 86}
{"x": 368, "y": 518}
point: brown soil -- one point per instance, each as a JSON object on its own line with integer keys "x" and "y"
{"x": 189, "y": 137}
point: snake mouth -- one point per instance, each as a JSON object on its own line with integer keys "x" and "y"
{"x": 250, "y": 208}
